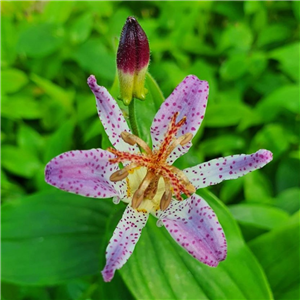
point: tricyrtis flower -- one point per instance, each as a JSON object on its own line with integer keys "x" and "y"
{"x": 132, "y": 61}
{"x": 148, "y": 182}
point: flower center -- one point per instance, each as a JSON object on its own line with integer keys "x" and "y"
{"x": 155, "y": 161}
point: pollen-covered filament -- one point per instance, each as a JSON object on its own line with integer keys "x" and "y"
{"x": 175, "y": 181}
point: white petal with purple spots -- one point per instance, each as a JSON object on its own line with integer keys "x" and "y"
{"x": 123, "y": 241}
{"x": 194, "y": 226}
{"x": 110, "y": 115}
{"x": 225, "y": 168}
{"x": 189, "y": 99}
{"x": 85, "y": 173}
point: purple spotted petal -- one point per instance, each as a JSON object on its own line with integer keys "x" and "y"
{"x": 85, "y": 173}
{"x": 123, "y": 241}
{"x": 224, "y": 168}
{"x": 110, "y": 115}
{"x": 189, "y": 99}
{"x": 195, "y": 227}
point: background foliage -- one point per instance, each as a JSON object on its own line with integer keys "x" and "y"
{"x": 53, "y": 242}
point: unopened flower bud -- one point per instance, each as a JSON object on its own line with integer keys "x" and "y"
{"x": 132, "y": 61}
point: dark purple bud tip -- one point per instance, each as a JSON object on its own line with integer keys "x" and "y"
{"x": 133, "y": 52}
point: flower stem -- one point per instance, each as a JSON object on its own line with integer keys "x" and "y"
{"x": 132, "y": 119}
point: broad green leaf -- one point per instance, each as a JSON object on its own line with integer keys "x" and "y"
{"x": 289, "y": 57}
{"x": 160, "y": 269}
{"x": 21, "y": 162}
{"x": 289, "y": 200}
{"x": 10, "y": 189}
{"x": 222, "y": 144}
{"x": 233, "y": 11}
{"x": 40, "y": 40}
{"x": 287, "y": 175}
{"x": 257, "y": 188}
{"x": 255, "y": 218}
{"x": 58, "y": 11}
{"x": 278, "y": 253}
{"x": 273, "y": 33}
{"x": 57, "y": 94}
{"x": 60, "y": 141}
{"x": 296, "y": 9}
{"x": 51, "y": 237}
{"x": 230, "y": 189}
{"x": 154, "y": 95}
{"x": 283, "y": 98}
{"x": 252, "y": 7}
{"x": 9, "y": 38}
{"x": 12, "y": 80}
{"x": 273, "y": 137}
{"x": 81, "y": 28}
{"x": 234, "y": 67}
{"x": 225, "y": 114}
{"x": 238, "y": 37}
{"x": 256, "y": 63}
{"x": 29, "y": 139}
{"x": 21, "y": 106}
{"x": 93, "y": 57}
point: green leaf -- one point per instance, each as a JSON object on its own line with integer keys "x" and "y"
{"x": 234, "y": 67}
{"x": 58, "y": 11}
{"x": 12, "y": 80}
{"x": 223, "y": 144}
{"x": 154, "y": 94}
{"x": 21, "y": 162}
{"x": 21, "y": 106}
{"x": 160, "y": 269}
{"x": 288, "y": 56}
{"x": 288, "y": 200}
{"x": 57, "y": 94}
{"x": 225, "y": 114}
{"x": 93, "y": 57}
{"x": 287, "y": 175}
{"x": 29, "y": 139}
{"x": 283, "y": 98}
{"x": 40, "y": 40}
{"x": 273, "y": 33}
{"x": 238, "y": 36}
{"x": 278, "y": 253}
{"x": 259, "y": 216}
{"x": 60, "y": 141}
{"x": 257, "y": 188}
{"x": 81, "y": 28}
{"x": 273, "y": 137}
{"x": 230, "y": 189}
{"x": 51, "y": 237}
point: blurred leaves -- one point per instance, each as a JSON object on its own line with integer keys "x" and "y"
{"x": 249, "y": 54}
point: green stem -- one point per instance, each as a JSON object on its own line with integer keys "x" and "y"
{"x": 132, "y": 118}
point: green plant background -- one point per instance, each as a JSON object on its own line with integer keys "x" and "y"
{"x": 53, "y": 243}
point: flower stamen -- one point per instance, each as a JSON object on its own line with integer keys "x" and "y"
{"x": 132, "y": 139}
{"x": 155, "y": 161}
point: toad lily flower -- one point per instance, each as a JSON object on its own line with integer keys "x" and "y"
{"x": 148, "y": 182}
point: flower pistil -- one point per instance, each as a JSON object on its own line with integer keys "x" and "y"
{"x": 174, "y": 181}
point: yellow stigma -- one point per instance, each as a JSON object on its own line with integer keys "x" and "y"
{"x": 151, "y": 181}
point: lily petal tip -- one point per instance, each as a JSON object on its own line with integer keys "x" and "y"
{"x": 91, "y": 80}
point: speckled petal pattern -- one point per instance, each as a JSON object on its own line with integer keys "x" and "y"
{"x": 194, "y": 226}
{"x": 123, "y": 241}
{"x": 224, "y": 168}
{"x": 110, "y": 115}
{"x": 85, "y": 173}
{"x": 189, "y": 99}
